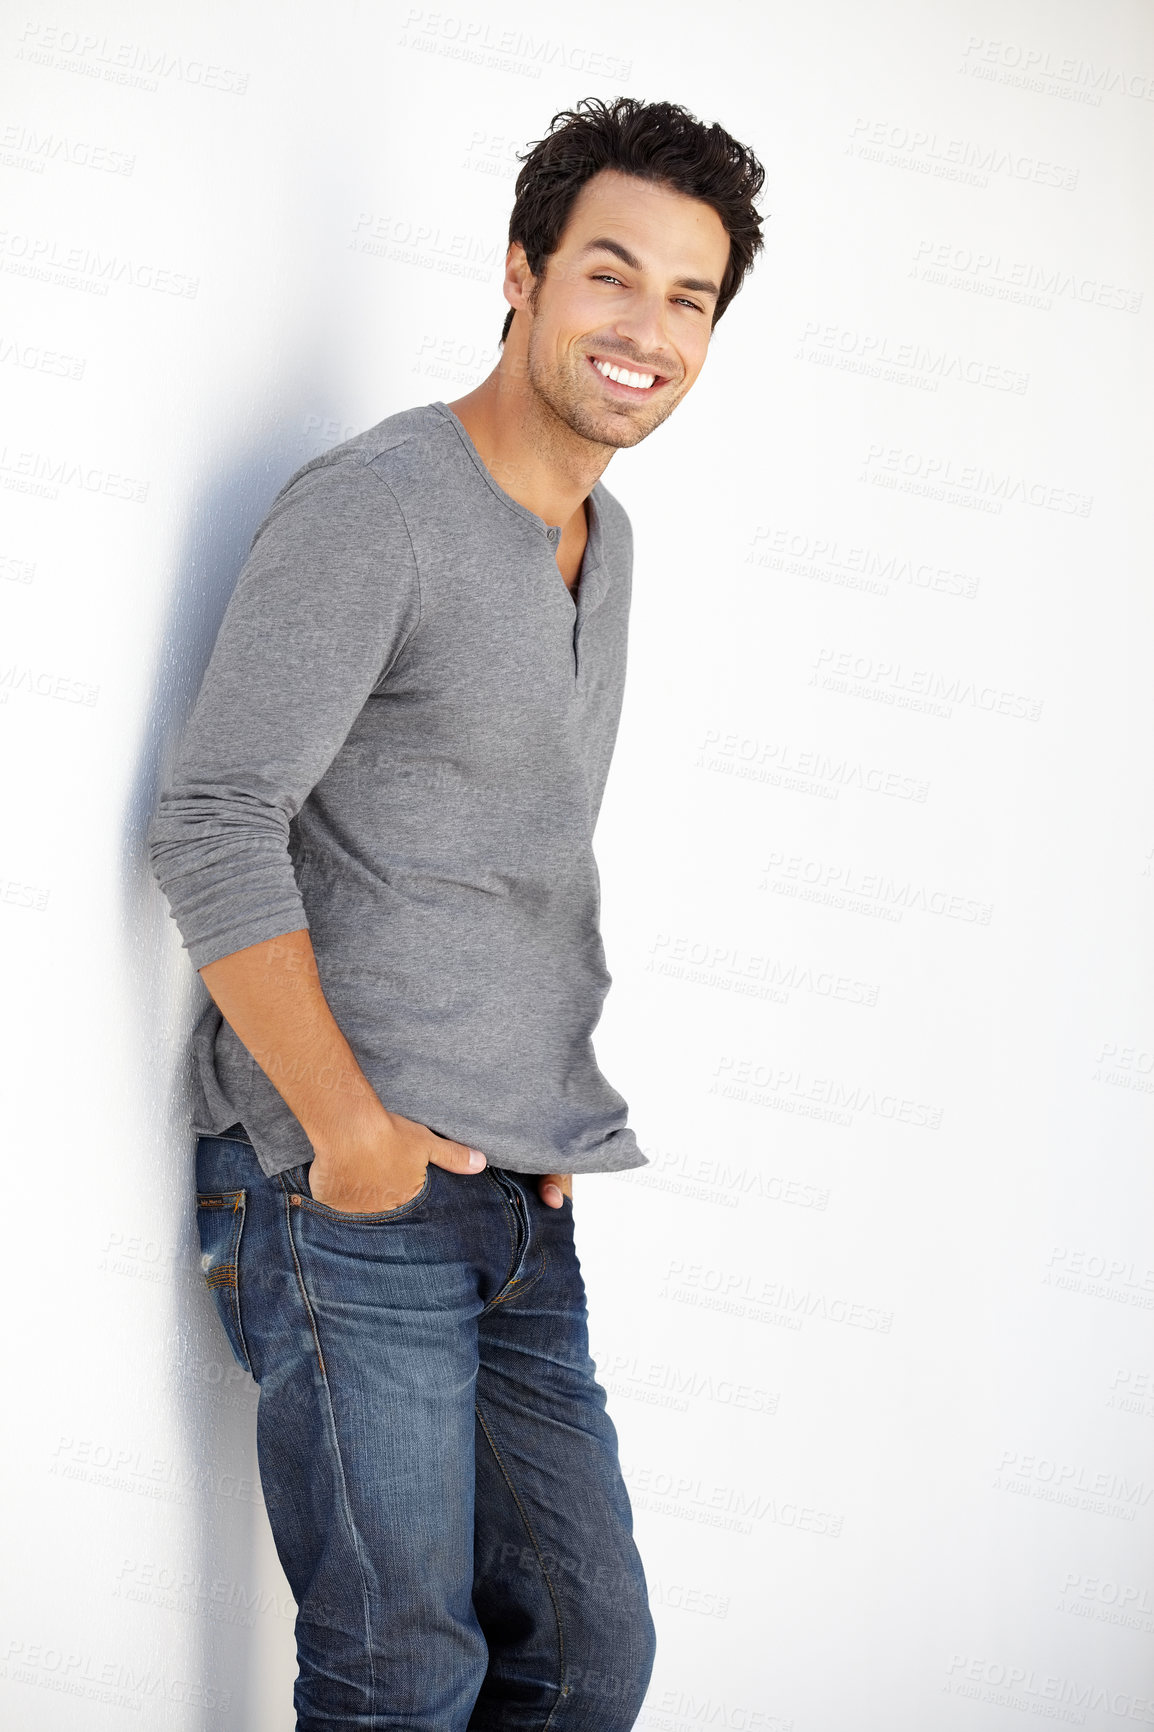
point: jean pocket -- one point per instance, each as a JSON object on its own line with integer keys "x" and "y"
{"x": 296, "y": 1181}
{"x": 220, "y": 1222}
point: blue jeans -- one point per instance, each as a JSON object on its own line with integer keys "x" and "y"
{"x": 439, "y": 1469}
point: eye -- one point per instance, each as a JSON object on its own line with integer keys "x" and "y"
{"x": 608, "y": 277}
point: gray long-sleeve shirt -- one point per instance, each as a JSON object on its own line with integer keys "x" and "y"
{"x": 401, "y": 742}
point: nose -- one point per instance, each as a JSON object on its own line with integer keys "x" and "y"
{"x": 643, "y": 325}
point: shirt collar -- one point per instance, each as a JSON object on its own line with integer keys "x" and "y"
{"x": 592, "y": 582}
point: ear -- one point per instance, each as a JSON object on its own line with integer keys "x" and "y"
{"x": 519, "y": 279}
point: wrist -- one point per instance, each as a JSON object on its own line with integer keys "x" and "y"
{"x": 357, "y": 1122}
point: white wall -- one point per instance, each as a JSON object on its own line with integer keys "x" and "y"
{"x": 877, "y": 848}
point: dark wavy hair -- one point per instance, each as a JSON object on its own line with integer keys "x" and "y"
{"x": 656, "y": 141}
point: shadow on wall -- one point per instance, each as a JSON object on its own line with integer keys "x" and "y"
{"x": 226, "y": 1604}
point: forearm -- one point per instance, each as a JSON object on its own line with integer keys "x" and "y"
{"x": 271, "y": 996}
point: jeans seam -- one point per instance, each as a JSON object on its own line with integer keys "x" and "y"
{"x": 511, "y": 1213}
{"x": 561, "y": 1686}
{"x": 514, "y": 1289}
{"x": 227, "y": 1275}
{"x": 337, "y": 1454}
{"x": 380, "y": 1217}
{"x": 238, "y": 1314}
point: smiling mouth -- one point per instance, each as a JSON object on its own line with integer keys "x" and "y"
{"x": 625, "y": 382}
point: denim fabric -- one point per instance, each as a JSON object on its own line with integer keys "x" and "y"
{"x": 440, "y": 1471}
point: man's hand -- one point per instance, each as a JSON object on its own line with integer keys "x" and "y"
{"x": 555, "y": 1187}
{"x": 366, "y": 1160}
{"x": 382, "y": 1166}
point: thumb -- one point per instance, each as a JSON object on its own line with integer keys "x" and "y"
{"x": 457, "y": 1157}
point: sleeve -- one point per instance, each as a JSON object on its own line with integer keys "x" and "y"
{"x": 324, "y": 603}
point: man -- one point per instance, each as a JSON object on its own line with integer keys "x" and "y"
{"x": 377, "y": 844}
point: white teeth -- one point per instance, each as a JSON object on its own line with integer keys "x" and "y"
{"x": 639, "y": 381}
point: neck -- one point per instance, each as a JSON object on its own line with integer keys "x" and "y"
{"x": 529, "y": 451}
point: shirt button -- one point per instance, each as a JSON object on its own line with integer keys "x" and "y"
{"x": 552, "y": 535}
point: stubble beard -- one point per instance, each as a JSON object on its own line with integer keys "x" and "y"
{"x": 566, "y": 397}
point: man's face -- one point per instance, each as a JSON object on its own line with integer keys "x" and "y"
{"x": 643, "y": 303}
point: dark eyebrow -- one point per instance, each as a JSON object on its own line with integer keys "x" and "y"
{"x": 603, "y": 244}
